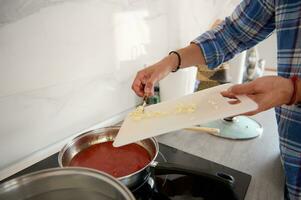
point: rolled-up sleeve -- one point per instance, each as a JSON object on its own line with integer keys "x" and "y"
{"x": 251, "y": 22}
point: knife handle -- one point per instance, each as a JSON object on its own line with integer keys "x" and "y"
{"x": 214, "y": 131}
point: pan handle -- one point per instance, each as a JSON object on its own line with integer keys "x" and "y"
{"x": 219, "y": 179}
{"x": 165, "y": 168}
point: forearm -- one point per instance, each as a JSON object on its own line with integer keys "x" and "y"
{"x": 251, "y": 22}
{"x": 290, "y": 90}
{"x": 294, "y": 96}
{"x": 190, "y": 56}
{"x": 298, "y": 98}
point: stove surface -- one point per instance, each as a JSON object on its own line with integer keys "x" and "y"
{"x": 171, "y": 186}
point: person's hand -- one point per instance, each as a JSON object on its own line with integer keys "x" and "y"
{"x": 267, "y": 92}
{"x": 145, "y": 80}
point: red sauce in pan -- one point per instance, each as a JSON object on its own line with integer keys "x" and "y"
{"x": 118, "y": 162}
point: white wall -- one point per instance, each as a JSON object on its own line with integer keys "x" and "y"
{"x": 66, "y": 65}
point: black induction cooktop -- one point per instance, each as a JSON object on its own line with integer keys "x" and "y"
{"x": 161, "y": 186}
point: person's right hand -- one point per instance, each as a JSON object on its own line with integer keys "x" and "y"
{"x": 267, "y": 92}
{"x": 145, "y": 80}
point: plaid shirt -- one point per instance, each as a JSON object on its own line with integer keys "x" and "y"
{"x": 251, "y": 22}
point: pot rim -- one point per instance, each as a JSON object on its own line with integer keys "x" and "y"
{"x": 100, "y": 131}
{"x": 37, "y": 175}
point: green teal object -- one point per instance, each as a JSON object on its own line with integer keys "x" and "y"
{"x": 154, "y": 99}
{"x": 240, "y": 127}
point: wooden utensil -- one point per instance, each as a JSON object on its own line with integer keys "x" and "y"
{"x": 213, "y": 131}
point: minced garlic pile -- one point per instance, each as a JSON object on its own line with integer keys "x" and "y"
{"x": 181, "y": 108}
{"x": 140, "y": 114}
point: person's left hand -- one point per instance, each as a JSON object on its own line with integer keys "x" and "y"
{"x": 267, "y": 92}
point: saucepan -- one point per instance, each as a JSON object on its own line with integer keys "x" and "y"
{"x": 134, "y": 180}
{"x": 72, "y": 183}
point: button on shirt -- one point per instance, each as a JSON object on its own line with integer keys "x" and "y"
{"x": 251, "y": 22}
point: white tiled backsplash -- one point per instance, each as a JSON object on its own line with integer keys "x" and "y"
{"x": 66, "y": 65}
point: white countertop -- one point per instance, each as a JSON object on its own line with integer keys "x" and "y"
{"x": 258, "y": 157}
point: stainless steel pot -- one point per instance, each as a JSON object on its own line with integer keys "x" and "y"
{"x": 104, "y": 135}
{"x": 65, "y": 183}
{"x": 219, "y": 181}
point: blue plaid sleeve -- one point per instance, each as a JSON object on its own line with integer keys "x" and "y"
{"x": 251, "y": 22}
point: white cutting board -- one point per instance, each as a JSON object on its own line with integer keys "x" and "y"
{"x": 210, "y": 105}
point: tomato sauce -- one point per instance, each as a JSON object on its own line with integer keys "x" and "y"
{"x": 118, "y": 162}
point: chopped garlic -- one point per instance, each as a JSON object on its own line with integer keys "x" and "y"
{"x": 190, "y": 108}
{"x": 140, "y": 114}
